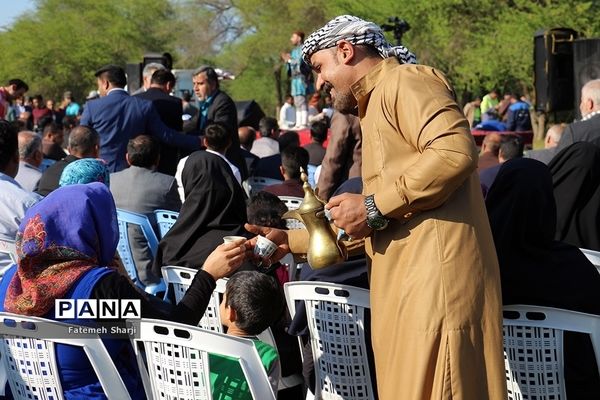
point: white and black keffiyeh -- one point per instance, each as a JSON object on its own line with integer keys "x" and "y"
{"x": 356, "y": 31}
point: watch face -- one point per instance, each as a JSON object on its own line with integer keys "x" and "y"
{"x": 377, "y": 223}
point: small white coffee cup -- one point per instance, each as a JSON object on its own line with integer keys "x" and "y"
{"x": 264, "y": 247}
{"x": 229, "y": 239}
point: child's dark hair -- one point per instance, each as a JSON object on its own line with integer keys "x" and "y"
{"x": 266, "y": 209}
{"x": 256, "y": 299}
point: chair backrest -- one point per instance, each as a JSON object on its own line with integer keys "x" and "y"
{"x": 258, "y": 183}
{"x": 28, "y": 357}
{"x": 165, "y": 220}
{"x": 593, "y": 256}
{"x": 174, "y": 361}
{"x": 7, "y": 246}
{"x": 179, "y": 280}
{"x": 124, "y": 248}
{"x": 335, "y": 315}
{"x": 533, "y": 349}
{"x": 292, "y": 203}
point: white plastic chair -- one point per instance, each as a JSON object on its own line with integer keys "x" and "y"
{"x": 165, "y": 219}
{"x": 179, "y": 280}
{"x": 29, "y": 360}
{"x": 335, "y": 315}
{"x": 292, "y": 203}
{"x": 593, "y": 256}
{"x": 258, "y": 183}
{"x": 7, "y": 246}
{"x": 533, "y": 349}
{"x": 124, "y": 248}
{"x": 174, "y": 361}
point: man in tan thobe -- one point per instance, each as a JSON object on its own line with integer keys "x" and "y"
{"x": 435, "y": 284}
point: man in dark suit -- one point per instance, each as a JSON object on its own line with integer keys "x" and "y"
{"x": 216, "y": 107}
{"x": 84, "y": 142}
{"x": 170, "y": 109}
{"x": 119, "y": 117}
{"x": 140, "y": 188}
{"x": 588, "y": 129}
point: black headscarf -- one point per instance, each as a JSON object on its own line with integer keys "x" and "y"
{"x": 537, "y": 270}
{"x": 534, "y": 268}
{"x": 214, "y": 207}
{"x": 576, "y": 178}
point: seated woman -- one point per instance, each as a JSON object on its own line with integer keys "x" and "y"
{"x": 66, "y": 244}
{"x": 576, "y": 178}
{"x": 214, "y": 207}
{"x": 85, "y": 170}
{"x": 537, "y": 270}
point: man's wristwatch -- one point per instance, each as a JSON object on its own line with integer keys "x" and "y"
{"x": 375, "y": 220}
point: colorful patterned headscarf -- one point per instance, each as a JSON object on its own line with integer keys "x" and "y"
{"x": 356, "y": 31}
{"x": 85, "y": 170}
{"x": 60, "y": 238}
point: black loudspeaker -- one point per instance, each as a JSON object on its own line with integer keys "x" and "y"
{"x": 134, "y": 76}
{"x": 553, "y": 60}
{"x": 586, "y": 64}
{"x": 165, "y": 59}
{"x": 249, "y": 113}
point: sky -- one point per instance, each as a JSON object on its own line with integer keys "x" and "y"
{"x": 11, "y": 9}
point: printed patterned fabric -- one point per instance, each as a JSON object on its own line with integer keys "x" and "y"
{"x": 356, "y": 31}
{"x": 60, "y": 238}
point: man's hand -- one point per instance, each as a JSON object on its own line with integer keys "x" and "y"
{"x": 226, "y": 258}
{"x": 348, "y": 212}
{"x": 277, "y": 236}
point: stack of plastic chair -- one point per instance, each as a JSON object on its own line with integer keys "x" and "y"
{"x": 124, "y": 248}
{"x": 165, "y": 219}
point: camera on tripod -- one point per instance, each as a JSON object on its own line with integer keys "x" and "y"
{"x": 398, "y": 26}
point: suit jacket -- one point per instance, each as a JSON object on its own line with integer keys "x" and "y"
{"x": 142, "y": 190}
{"x": 581, "y": 131}
{"x": 223, "y": 111}
{"x": 170, "y": 110}
{"x": 343, "y": 157}
{"x": 268, "y": 167}
{"x": 251, "y": 160}
{"x": 50, "y": 177}
{"x": 119, "y": 117}
{"x": 543, "y": 155}
{"x": 316, "y": 153}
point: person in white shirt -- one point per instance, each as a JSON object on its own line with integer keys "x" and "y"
{"x": 216, "y": 140}
{"x": 287, "y": 113}
{"x": 267, "y": 145}
{"x": 14, "y": 200}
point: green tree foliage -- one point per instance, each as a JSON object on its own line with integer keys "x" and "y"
{"x": 256, "y": 56}
{"x": 61, "y": 44}
{"x": 479, "y": 44}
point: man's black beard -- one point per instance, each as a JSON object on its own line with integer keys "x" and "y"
{"x": 345, "y": 103}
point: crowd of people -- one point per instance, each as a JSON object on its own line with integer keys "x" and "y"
{"x": 448, "y": 235}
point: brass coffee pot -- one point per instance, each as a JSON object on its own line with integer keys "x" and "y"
{"x": 324, "y": 249}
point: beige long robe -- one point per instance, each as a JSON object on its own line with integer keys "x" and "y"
{"x": 435, "y": 283}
